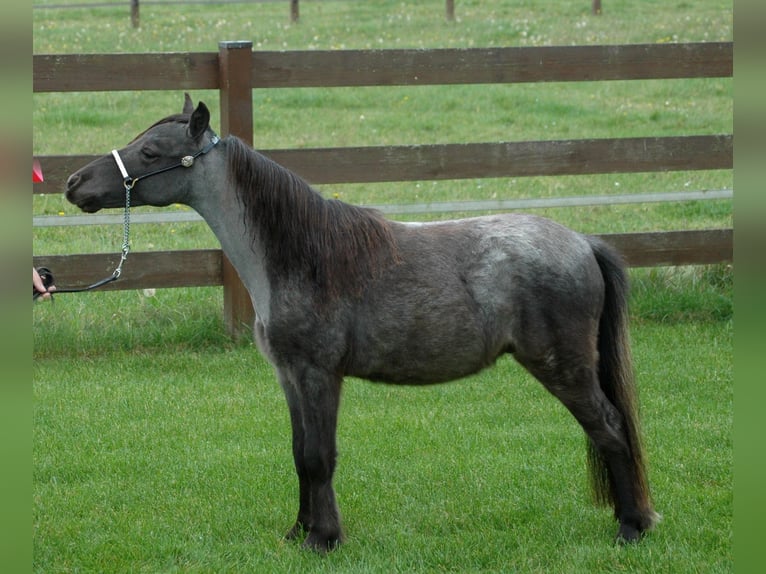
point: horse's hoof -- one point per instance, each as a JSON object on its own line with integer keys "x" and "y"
{"x": 321, "y": 544}
{"x": 628, "y": 534}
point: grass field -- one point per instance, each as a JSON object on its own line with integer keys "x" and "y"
{"x": 162, "y": 446}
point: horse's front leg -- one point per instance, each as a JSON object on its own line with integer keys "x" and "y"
{"x": 303, "y": 522}
{"x": 314, "y": 398}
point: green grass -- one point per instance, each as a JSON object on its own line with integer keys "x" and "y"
{"x": 342, "y": 24}
{"x": 162, "y": 446}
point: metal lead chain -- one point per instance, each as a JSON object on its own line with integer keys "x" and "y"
{"x": 125, "y": 234}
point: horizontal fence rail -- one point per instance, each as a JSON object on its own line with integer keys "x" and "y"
{"x": 236, "y": 70}
{"x": 475, "y": 160}
{"x": 204, "y": 267}
{"x": 143, "y": 270}
{"x": 352, "y": 68}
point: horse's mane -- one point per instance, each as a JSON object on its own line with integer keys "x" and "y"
{"x": 175, "y": 118}
{"x": 339, "y": 247}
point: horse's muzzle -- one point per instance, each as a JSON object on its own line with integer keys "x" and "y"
{"x": 83, "y": 202}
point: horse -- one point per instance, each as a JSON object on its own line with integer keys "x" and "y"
{"x": 339, "y": 290}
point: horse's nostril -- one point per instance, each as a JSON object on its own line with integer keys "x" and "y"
{"x": 72, "y": 181}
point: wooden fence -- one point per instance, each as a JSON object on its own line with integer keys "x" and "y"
{"x": 235, "y": 70}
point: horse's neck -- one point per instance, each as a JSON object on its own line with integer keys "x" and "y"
{"x": 222, "y": 211}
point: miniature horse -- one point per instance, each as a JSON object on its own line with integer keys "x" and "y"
{"x": 339, "y": 290}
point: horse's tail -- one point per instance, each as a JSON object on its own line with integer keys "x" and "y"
{"x": 617, "y": 381}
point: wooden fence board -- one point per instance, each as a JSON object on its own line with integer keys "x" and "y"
{"x": 475, "y": 160}
{"x": 695, "y": 247}
{"x": 113, "y": 72}
{"x": 203, "y": 267}
{"x": 335, "y": 68}
{"x": 189, "y": 268}
{"x": 507, "y": 159}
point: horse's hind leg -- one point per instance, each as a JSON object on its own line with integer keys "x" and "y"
{"x": 313, "y": 400}
{"x": 574, "y": 381}
{"x": 604, "y": 426}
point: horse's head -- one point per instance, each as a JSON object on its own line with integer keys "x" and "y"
{"x": 147, "y": 165}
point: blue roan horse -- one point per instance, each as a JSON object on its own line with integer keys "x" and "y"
{"x": 340, "y": 290}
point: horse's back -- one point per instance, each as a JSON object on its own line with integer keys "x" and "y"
{"x": 505, "y": 259}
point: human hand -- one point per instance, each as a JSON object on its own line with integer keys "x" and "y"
{"x": 39, "y": 286}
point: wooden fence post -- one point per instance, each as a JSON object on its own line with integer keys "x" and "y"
{"x": 450, "y": 10}
{"x": 134, "y": 17}
{"x": 597, "y": 7}
{"x": 294, "y": 11}
{"x": 235, "y": 73}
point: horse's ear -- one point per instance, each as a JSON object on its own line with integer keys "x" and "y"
{"x": 188, "y": 104}
{"x": 199, "y": 121}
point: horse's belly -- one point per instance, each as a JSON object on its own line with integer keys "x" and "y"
{"x": 422, "y": 350}
{"x": 416, "y": 373}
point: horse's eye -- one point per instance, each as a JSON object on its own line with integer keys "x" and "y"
{"x": 149, "y": 152}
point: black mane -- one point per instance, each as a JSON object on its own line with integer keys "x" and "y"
{"x": 175, "y": 118}
{"x": 338, "y": 246}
